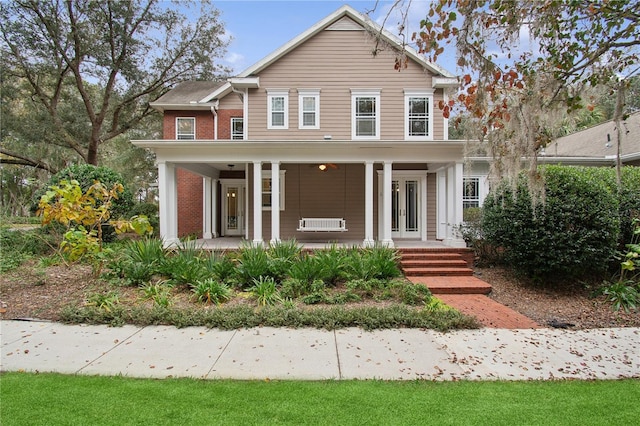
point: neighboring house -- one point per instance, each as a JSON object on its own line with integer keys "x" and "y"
{"x": 598, "y": 145}
{"x": 320, "y": 128}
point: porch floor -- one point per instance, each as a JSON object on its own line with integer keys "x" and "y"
{"x": 230, "y": 243}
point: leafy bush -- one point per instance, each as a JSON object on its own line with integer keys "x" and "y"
{"x": 253, "y": 263}
{"x": 371, "y": 263}
{"x": 221, "y": 267}
{"x": 18, "y": 246}
{"x": 572, "y": 234}
{"x": 150, "y": 210}
{"x": 265, "y": 292}
{"x": 308, "y": 269}
{"x": 212, "y": 291}
{"x": 87, "y": 175}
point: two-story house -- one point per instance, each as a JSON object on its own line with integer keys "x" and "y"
{"x": 322, "y": 140}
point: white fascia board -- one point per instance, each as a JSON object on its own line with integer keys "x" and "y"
{"x": 162, "y": 107}
{"x": 245, "y": 82}
{"x": 220, "y": 92}
{"x": 335, "y": 16}
{"x": 443, "y": 82}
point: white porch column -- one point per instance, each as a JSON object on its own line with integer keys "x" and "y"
{"x": 167, "y": 193}
{"x": 214, "y": 208}
{"x": 257, "y": 202}
{"x": 454, "y": 205}
{"x": 275, "y": 201}
{"x": 368, "y": 204}
{"x": 207, "y": 207}
{"x": 387, "y": 174}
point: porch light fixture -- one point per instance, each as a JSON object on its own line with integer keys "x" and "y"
{"x": 322, "y": 167}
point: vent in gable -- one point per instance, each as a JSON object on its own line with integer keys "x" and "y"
{"x": 344, "y": 24}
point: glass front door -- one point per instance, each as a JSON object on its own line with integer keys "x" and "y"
{"x": 233, "y": 211}
{"x": 405, "y": 208}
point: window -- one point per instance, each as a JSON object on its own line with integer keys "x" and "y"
{"x": 470, "y": 192}
{"x": 308, "y": 109}
{"x": 418, "y": 107}
{"x": 365, "y": 111}
{"x": 186, "y": 128}
{"x": 278, "y": 109}
{"x": 266, "y": 189}
{"x": 237, "y": 128}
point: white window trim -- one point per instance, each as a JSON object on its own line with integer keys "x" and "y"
{"x": 193, "y": 120}
{"x": 368, "y": 93}
{"x": 232, "y": 120}
{"x": 483, "y": 187}
{"x": 408, "y": 94}
{"x": 308, "y": 93}
{"x": 266, "y": 174}
{"x": 278, "y": 93}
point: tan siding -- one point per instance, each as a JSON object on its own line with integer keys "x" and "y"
{"x": 312, "y": 193}
{"x": 231, "y": 101}
{"x": 335, "y": 62}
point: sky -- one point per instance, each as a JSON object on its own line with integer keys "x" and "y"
{"x": 258, "y": 27}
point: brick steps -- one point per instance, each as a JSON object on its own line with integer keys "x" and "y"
{"x": 442, "y": 270}
{"x": 436, "y": 263}
{"x": 437, "y": 272}
{"x": 453, "y": 284}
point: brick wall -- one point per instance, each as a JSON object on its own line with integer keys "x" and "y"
{"x": 224, "y": 122}
{"x": 189, "y": 184}
{"x": 189, "y": 203}
{"x": 204, "y": 123}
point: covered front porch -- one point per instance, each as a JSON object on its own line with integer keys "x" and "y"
{"x": 386, "y": 193}
{"x": 233, "y": 243}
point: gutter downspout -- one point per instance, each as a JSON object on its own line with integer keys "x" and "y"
{"x": 245, "y": 110}
{"x": 214, "y": 111}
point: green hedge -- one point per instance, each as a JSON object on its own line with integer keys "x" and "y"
{"x": 573, "y": 233}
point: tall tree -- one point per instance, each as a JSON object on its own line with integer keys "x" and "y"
{"x": 528, "y": 60}
{"x": 89, "y": 68}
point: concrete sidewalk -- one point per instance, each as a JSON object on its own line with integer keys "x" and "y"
{"x": 311, "y": 354}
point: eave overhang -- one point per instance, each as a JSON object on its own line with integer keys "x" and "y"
{"x": 203, "y": 151}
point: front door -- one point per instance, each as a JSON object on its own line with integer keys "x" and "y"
{"x": 405, "y": 207}
{"x": 233, "y": 211}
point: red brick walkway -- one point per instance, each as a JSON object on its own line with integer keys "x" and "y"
{"x": 488, "y": 312}
{"x": 468, "y": 295}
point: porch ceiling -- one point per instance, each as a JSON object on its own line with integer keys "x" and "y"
{"x": 304, "y": 151}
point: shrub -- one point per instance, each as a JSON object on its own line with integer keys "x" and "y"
{"x": 150, "y": 210}
{"x": 221, "y": 267}
{"x": 253, "y": 263}
{"x": 572, "y": 234}
{"x": 308, "y": 269}
{"x": 87, "y": 175}
{"x": 212, "y": 291}
{"x": 265, "y": 292}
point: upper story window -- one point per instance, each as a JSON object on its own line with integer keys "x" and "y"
{"x": 185, "y": 128}
{"x": 365, "y": 114}
{"x": 418, "y": 114}
{"x": 308, "y": 109}
{"x": 278, "y": 109}
{"x": 237, "y": 128}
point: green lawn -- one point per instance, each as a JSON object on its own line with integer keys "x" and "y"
{"x": 52, "y": 399}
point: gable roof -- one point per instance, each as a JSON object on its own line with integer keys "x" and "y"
{"x": 363, "y": 21}
{"x": 186, "y": 94}
{"x": 600, "y": 141}
{"x": 202, "y": 94}
{"x": 338, "y": 21}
